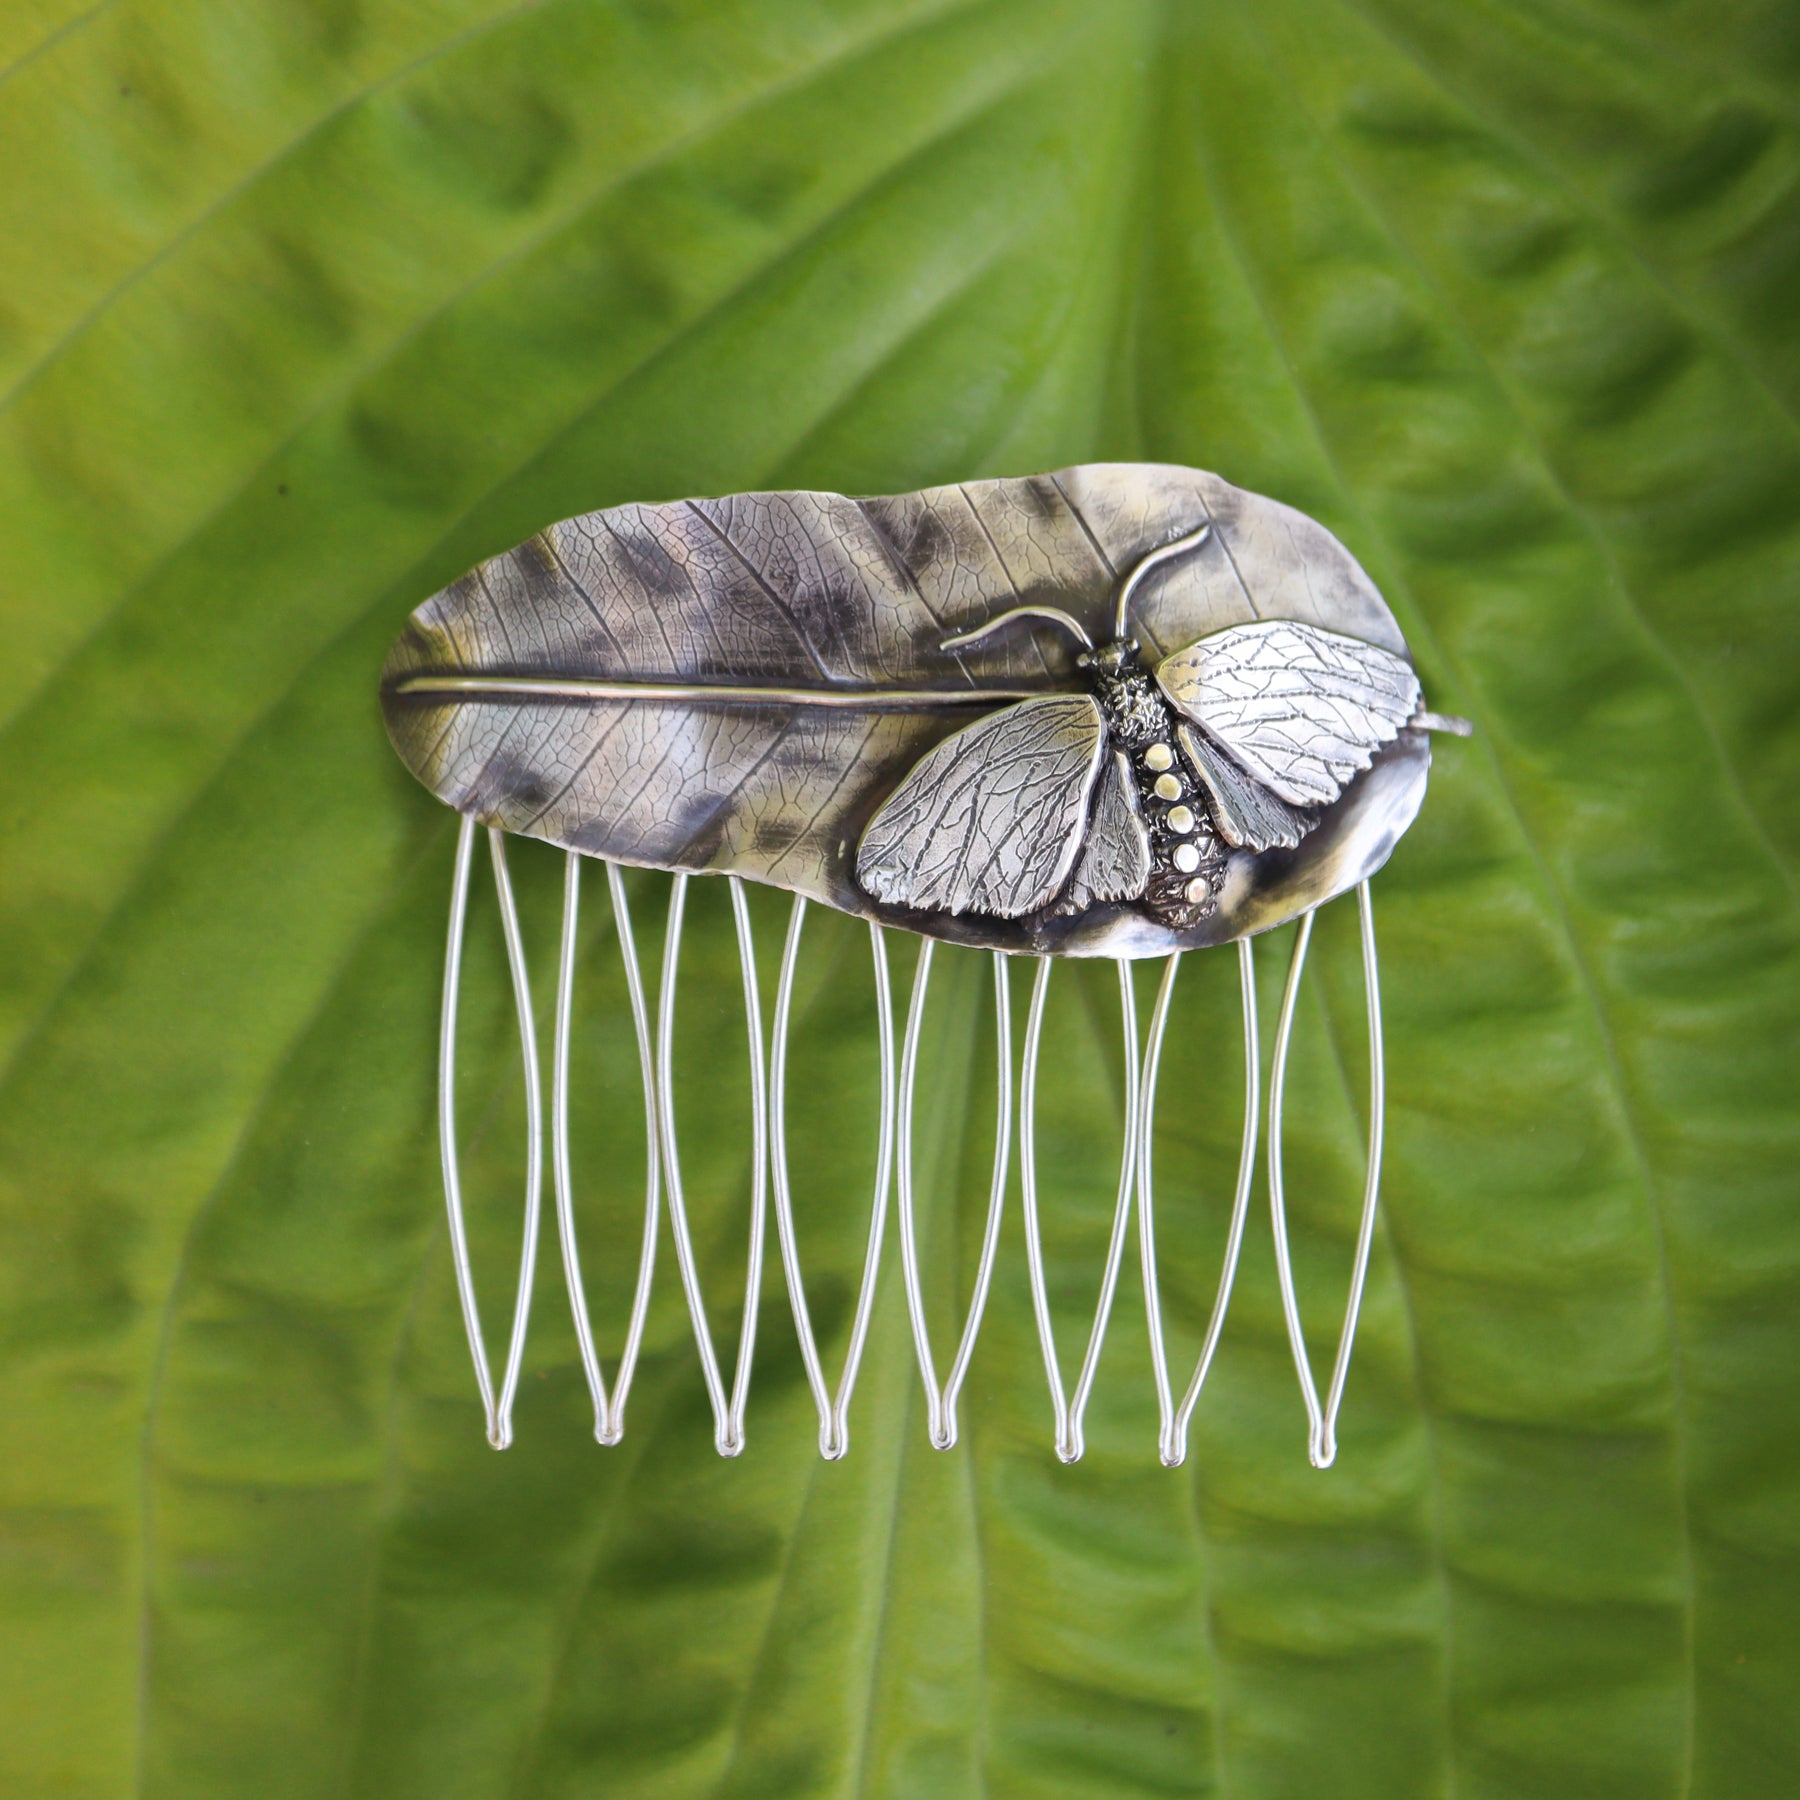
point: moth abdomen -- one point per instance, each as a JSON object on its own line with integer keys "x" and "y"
{"x": 1187, "y": 861}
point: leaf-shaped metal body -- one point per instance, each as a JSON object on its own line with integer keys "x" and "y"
{"x": 743, "y": 684}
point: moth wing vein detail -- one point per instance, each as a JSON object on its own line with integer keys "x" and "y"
{"x": 1300, "y": 709}
{"x": 991, "y": 819}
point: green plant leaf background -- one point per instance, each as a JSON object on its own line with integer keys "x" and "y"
{"x": 305, "y": 307}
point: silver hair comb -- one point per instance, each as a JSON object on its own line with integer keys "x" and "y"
{"x": 1124, "y": 710}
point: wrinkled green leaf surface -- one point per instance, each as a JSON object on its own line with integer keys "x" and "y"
{"x": 305, "y": 307}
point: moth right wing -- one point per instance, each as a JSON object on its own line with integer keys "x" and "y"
{"x": 1249, "y": 816}
{"x": 1302, "y": 709}
{"x": 992, "y": 819}
{"x": 1115, "y": 858}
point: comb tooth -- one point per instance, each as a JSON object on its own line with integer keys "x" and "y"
{"x": 498, "y": 1411}
{"x": 1284, "y": 1271}
{"x": 534, "y": 1127}
{"x": 459, "y": 1238}
{"x": 909, "y": 1244}
{"x": 609, "y": 1413}
{"x": 1322, "y": 1421}
{"x": 640, "y": 1018}
{"x": 940, "y": 1400}
{"x": 728, "y": 1413}
{"x": 1172, "y": 1440}
{"x": 1324, "y": 1450}
{"x": 990, "y": 1238}
{"x": 759, "y": 1171}
{"x": 559, "y": 1146}
{"x": 834, "y": 1410}
{"x": 1070, "y": 1442}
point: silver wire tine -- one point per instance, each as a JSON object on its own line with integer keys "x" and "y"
{"x": 534, "y": 1126}
{"x": 834, "y": 1410}
{"x": 1172, "y": 1441}
{"x": 728, "y": 1413}
{"x": 1171, "y": 1449}
{"x": 1284, "y": 1266}
{"x": 559, "y": 1145}
{"x": 671, "y": 1160}
{"x": 759, "y": 1167}
{"x": 1321, "y": 1442}
{"x": 1070, "y": 1441}
{"x": 1324, "y": 1449}
{"x": 990, "y": 1237}
{"x": 940, "y": 1400}
{"x": 640, "y": 1019}
{"x": 909, "y": 1243}
{"x": 459, "y": 1237}
{"x": 1284, "y": 1269}
{"x": 609, "y": 1414}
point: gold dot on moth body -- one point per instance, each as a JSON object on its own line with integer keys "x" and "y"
{"x": 1186, "y": 858}
{"x": 1168, "y": 787}
{"x": 1159, "y": 757}
{"x": 1180, "y": 820}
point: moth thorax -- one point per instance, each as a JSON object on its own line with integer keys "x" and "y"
{"x": 1134, "y": 710}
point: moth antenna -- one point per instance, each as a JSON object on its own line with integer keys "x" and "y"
{"x": 1167, "y": 553}
{"x": 834, "y": 1409}
{"x": 1051, "y": 615}
{"x": 940, "y": 1402}
{"x": 1172, "y": 1445}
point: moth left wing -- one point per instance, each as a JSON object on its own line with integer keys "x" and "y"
{"x": 1300, "y": 708}
{"x": 992, "y": 819}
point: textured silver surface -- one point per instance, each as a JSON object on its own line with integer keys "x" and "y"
{"x": 991, "y": 820}
{"x": 1301, "y": 709}
{"x": 741, "y": 684}
{"x": 1114, "y": 862}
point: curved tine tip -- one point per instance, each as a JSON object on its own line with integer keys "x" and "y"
{"x": 609, "y": 1431}
{"x": 1321, "y": 1452}
{"x": 943, "y": 1432}
{"x": 1070, "y": 1449}
{"x": 834, "y": 1440}
{"x": 1171, "y": 1449}
{"x": 729, "y": 1442}
{"x": 499, "y": 1434}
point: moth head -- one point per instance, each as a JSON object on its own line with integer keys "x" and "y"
{"x": 1109, "y": 659}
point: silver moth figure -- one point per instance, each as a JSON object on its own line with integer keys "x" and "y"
{"x": 1121, "y": 710}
